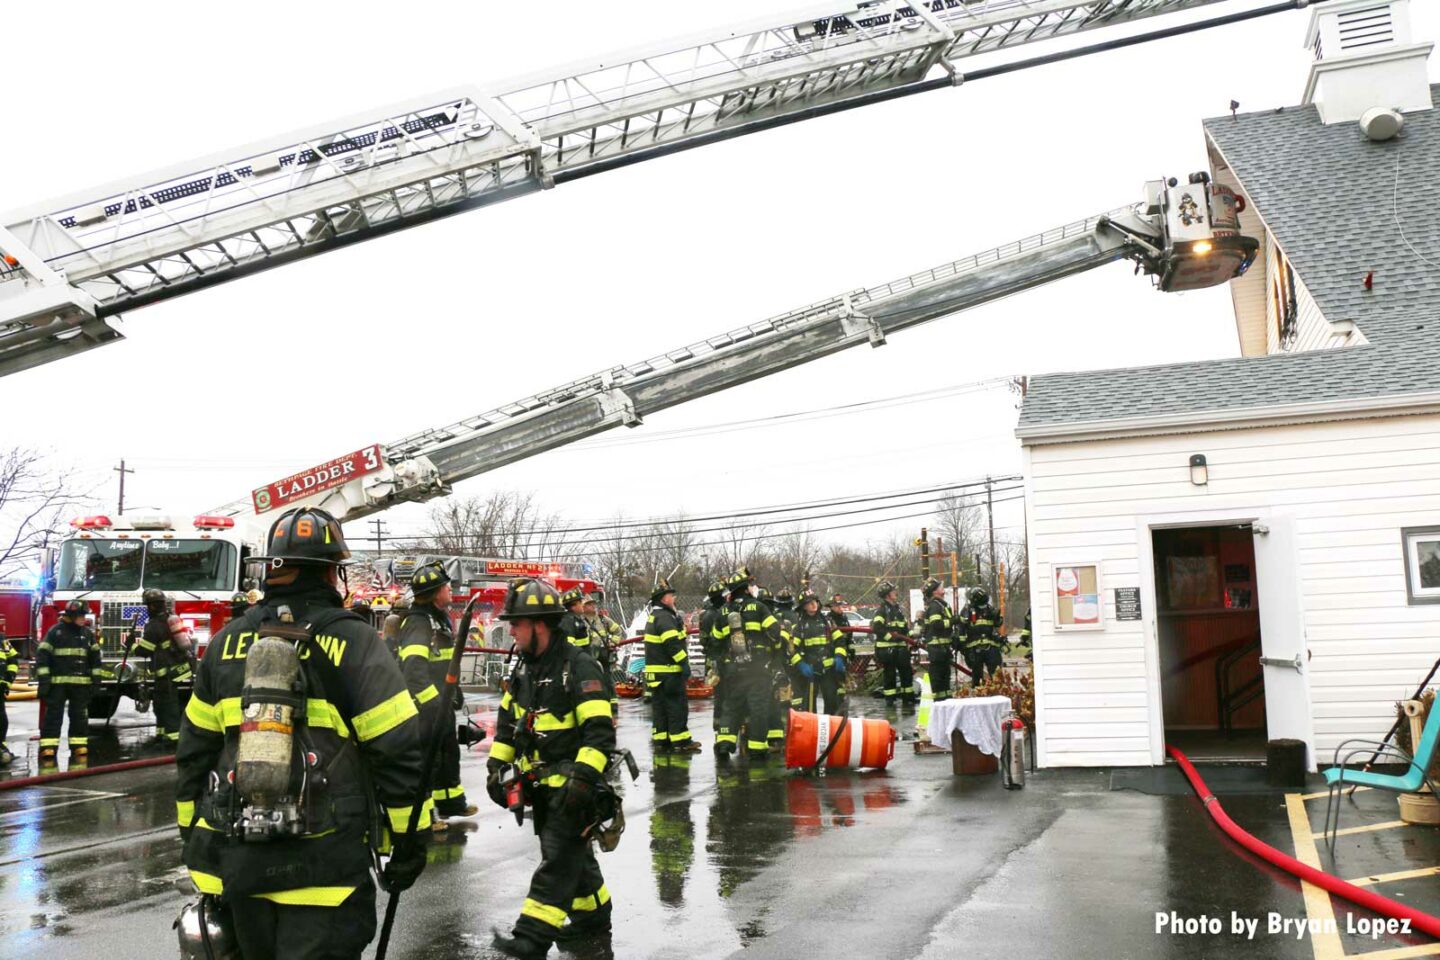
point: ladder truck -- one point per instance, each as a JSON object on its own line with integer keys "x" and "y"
{"x": 70, "y": 268}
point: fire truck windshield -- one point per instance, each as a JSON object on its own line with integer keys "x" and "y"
{"x": 127, "y": 565}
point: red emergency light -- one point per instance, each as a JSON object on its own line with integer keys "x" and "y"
{"x": 214, "y": 523}
{"x": 91, "y": 523}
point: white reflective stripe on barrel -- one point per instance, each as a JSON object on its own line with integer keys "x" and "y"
{"x": 857, "y": 741}
{"x": 822, "y": 735}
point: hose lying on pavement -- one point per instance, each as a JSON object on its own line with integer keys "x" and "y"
{"x": 1384, "y": 906}
{"x": 44, "y": 778}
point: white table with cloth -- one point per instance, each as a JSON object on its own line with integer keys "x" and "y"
{"x": 977, "y": 719}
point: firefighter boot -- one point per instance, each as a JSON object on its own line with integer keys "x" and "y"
{"x": 48, "y": 756}
{"x": 518, "y": 946}
{"x": 6, "y": 757}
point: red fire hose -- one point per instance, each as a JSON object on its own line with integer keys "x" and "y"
{"x": 1365, "y": 898}
{"x": 45, "y": 778}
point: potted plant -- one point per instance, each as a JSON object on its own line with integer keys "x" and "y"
{"x": 1421, "y": 807}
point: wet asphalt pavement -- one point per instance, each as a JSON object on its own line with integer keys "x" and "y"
{"x": 907, "y": 863}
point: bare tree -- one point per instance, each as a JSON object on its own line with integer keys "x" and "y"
{"x": 36, "y": 501}
{"x": 959, "y": 523}
{"x": 792, "y": 558}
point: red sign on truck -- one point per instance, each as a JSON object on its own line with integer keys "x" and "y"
{"x": 327, "y": 476}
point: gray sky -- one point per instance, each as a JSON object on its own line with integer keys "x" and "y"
{"x": 455, "y": 317}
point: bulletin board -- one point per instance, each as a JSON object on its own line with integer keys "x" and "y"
{"x": 1077, "y": 595}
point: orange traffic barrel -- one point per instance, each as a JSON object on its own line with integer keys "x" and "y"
{"x": 861, "y": 743}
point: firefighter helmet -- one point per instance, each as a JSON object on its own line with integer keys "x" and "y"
{"x": 572, "y": 596}
{"x": 531, "y": 597}
{"x": 360, "y": 605}
{"x": 428, "y": 577}
{"x": 978, "y": 597}
{"x": 662, "y": 587}
{"x": 929, "y": 587}
{"x": 765, "y": 594}
{"x": 807, "y": 596}
{"x": 739, "y": 580}
{"x": 885, "y": 589}
{"x": 837, "y": 601}
{"x": 305, "y": 535}
{"x": 785, "y": 596}
{"x": 716, "y": 590}
{"x": 153, "y": 599}
{"x": 76, "y": 608}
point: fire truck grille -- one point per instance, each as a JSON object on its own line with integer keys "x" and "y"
{"x": 115, "y": 620}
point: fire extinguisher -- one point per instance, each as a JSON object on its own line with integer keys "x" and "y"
{"x": 1012, "y": 752}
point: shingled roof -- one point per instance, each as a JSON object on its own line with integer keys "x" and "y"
{"x": 1330, "y": 197}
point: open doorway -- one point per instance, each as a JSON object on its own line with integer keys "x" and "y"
{"x": 1208, "y": 632}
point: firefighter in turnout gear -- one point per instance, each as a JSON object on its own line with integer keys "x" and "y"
{"x": 554, "y": 726}
{"x": 67, "y": 666}
{"x": 9, "y": 670}
{"x": 1024, "y": 636}
{"x": 757, "y": 650}
{"x": 605, "y": 637}
{"x": 819, "y": 657}
{"x": 573, "y": 626}
{"x": 282, "y": 816}
{"x": 783, "y": 606}
{"x": 892, "y": 647}
{"x": 427, "y": 639}
{"x": 939, "y": 628}
{"x": 983, "y": 643}
{"x": 667, "y": 667}
{"x": 715, "y": 642}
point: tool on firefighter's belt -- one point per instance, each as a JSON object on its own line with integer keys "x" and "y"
{"x": 469, "y": 733}
{"x": 513, "y": 783}
{"x": 432, "y": 752}
{"x": 206, "y": 931}
{"x": 609, "y": 817}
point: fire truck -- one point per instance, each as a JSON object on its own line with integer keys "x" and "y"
{"x": 106, "y": 562}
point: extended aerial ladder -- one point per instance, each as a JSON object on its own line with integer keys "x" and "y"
{"x": 69, "y": 268}
{"x": 1185, "y": 235}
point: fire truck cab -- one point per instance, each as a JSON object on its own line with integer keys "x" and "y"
{"x": 199, "y": 563}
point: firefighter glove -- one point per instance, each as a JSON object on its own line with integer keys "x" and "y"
{"x": 407, "y": 862}
{"x": 577, "y": 799}
{"x": 806, "y": 671}
{"x": 839, "y": 663}
{"x": 493, "y": 787}
{"x": 43, "y": 687}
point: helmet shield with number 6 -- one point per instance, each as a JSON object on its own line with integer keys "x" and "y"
{"x": 306, "y": 535}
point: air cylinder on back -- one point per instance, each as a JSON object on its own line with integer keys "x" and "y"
{"x": 262, "y": 767}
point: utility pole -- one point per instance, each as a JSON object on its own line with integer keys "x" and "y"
{"x": 120, "y": 506}
{"x": 990, "y": 514}
{"x": 924, "y": 544}
{"x": 380, "y": 531}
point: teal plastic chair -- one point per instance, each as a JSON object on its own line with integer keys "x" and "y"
{"x": 1339, "y": 776}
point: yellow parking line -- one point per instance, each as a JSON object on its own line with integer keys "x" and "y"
{"x": 1326, "y": 944}
{"x": 1401, "y": 953}
{"x": 1368, "y": 828}
{"x": 1325, "y": 793}
{"x": 1398, "y": 875}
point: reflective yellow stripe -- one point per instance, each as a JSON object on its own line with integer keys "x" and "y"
{"x": 548, "y": 721}
{"x": 595, "y": 901}
{"x": 447, "y": 793}
{"x": 505, "y": 701}
{"x": 503, "y": 752}
{"x": 309, "y": 896}
{"x": 554, "y": 780}
{"x": 662, "y": 668}
{"x": 384, "y": 717}
{"x": 592, "y": 758}
{"x": 207, "y": 882}
{"x": 426, "y": 695}
{"x": 70, "y": 652}
{"x": 442, "y": 655}
{"x": 551, "y": 915}
{"x": 203, "y": 715}
{"x": 680, "y": 656}
{"x": 400, "y": 817}
{"x": 590, "y": 709}
{"x": 414, "y": 650}
{"x": 321, "y": 713}
{"x": 70, "y": 679}
{"x": 185, "y": 812}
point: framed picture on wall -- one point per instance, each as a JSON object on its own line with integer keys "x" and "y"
{"x": 1077, "y": 596}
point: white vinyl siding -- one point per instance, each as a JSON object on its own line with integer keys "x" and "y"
{"x": 1350, "y": 486}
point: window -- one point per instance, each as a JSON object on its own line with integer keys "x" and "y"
{"x": 190, "y": 565}
{"x": 100, "y": 565}
{"x": 1422, "y": 563}
{"x": 1077, "y": 596}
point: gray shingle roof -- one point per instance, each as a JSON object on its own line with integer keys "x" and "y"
{"x": 1329, "y": 196}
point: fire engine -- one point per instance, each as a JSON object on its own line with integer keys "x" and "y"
{"x": 107, "y": 561}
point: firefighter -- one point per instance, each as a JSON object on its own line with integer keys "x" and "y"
{"x": 174, "y": 665}
{"x": 573, "y": 626}
{"x": 427, "y": 639}
{"x": 239, "y": 603}
{"x": 819, "y": 657}
{"x": 837, "y": 612}
{"x": 67, "y": 665}
{"x": 154, "y": 645}
{"x": 892, "y": 648}
{"x": 939, "y": 634}
{"x": 784, "y": 607}
{"x": 758, "y": 653}
{"x": 9, "y": 670}
{"x": 303, "y": 891}
{"x": 555, "y": 726}
{"x": 667, "y": 667}
{"x": 981, "y": 623}
{"x": 1025, "y": 637}
{"x": 715, "y": 642}
{"x": 605, "y": 638}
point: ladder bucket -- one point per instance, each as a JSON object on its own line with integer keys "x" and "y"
{"x": 862, "y": 743}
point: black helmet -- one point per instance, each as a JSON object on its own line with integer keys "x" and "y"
{"x": 739, "y": 580}
{"x": 428, "y": 577}
{"x": 807, "y": 596}
{"x": 572, "y": 596}
{"x": 765, "y": 595}
{"x": 76, "y": 608}
{"x": 153, "y": 599}
{"x": 531, "y": 597}
{"x": 978, "y": 597}
{"x": 716, "y": 590}
{"x": 785, "y": 596}
{"x": 885, "y": 589}
{"x": 662, "y": 587}
{"x": 360, "y": 605}
{"x": 305, "y": 535}
{"x": 929, "y": 587}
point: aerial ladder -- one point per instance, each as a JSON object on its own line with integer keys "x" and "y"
{"x": 1184, "y": 234}
{"x": 69, "y": 268}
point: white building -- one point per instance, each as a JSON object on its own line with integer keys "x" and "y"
{"x": 1185, "y": 520}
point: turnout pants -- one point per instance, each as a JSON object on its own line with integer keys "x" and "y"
{"x": 749, "y": 704}
{"x": 448, "y": 794}
{"x": 568, "y": 882}
{"x": 897, "y": 678}
{"x": 267, "y": 930}
{"x": 940, "y": 669}
{"x": 668, "y": 709}
{"x": 167, "y": 711}
{"x": 826, "y": 687}
{"x": 75, "y": 697}
{"x": 983, "y": 660}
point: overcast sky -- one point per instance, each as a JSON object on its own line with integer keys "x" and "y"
{"x": 456, "y": 317}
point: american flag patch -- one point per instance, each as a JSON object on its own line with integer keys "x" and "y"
{"x": 136, "y": 610}
{"x": 591, "y": 686}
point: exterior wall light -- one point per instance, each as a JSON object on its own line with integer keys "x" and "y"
{"x": 1199, "y": 471}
